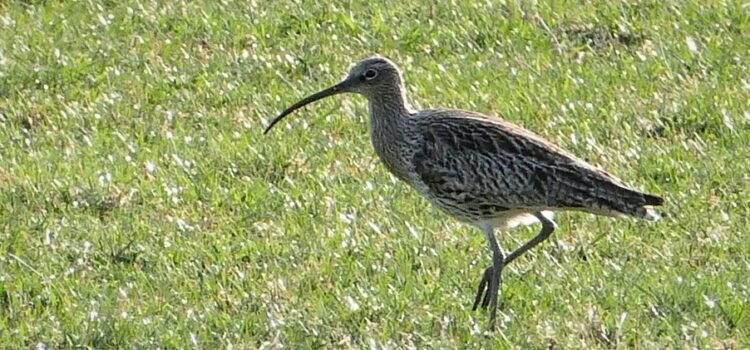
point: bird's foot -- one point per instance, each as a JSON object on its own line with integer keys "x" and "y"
{"x": 487, "y": 292}
{"x": 483, "y": 290}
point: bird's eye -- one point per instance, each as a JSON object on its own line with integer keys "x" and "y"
{"x": 371, "y": 73}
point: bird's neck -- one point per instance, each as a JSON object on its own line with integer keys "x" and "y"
{"x": 388, "y": 113}
{"x": 389, "y": 104}
{"x": 389, "y": 122}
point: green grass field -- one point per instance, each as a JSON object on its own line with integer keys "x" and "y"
{"x": 141, "y": 206}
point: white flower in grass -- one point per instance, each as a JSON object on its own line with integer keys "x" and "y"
{"x": 692, "y": 45}
{"x": 105, "y": 178}
{"x": 351, "y": 303}
{"x": 150, "y": 166}
{"x": 709, "y": 301}
{"x": 184, "y": 226}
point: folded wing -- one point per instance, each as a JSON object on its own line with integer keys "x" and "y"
{"x": 483, "y": 165}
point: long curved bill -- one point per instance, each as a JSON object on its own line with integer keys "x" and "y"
{"x": 333, "y": 90}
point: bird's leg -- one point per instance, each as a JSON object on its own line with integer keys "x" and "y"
{"x": 491, "y": 278}
{"x": 548, "y": 226}
{"x": 482, "y": 288}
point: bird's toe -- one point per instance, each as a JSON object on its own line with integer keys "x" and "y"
{"x": 483, "y": 293}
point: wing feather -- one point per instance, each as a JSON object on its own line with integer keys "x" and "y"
{"x": 483, "y": 164}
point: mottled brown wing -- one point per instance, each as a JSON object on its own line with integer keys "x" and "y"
{"x": 488, "y": 163}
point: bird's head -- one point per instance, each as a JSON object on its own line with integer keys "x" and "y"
{"x": 372, "y": 75}
{"x": 369, "y": 77}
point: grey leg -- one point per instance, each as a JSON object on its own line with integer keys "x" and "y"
{"x": 486, "y": 277}
{"x": 489, "y": 273}
{"x": 547, "y": 228}
{"x": 491, "y": 278}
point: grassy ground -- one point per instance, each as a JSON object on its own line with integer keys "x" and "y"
{"x": 140, "y": 205}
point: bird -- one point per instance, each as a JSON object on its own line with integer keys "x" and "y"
{"x": 480, "y": 169}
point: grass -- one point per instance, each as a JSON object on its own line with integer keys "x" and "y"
{"x": 141, "y": 207}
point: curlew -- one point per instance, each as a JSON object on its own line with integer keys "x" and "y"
{"x": 481, "y": 170}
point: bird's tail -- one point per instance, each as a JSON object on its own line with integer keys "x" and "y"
{"x": 649, "y": 212}
{"x": 630, "y": 202}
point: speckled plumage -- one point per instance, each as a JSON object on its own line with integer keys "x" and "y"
{"x": 476, "y": 168}
{"x": 479, "y": 169}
